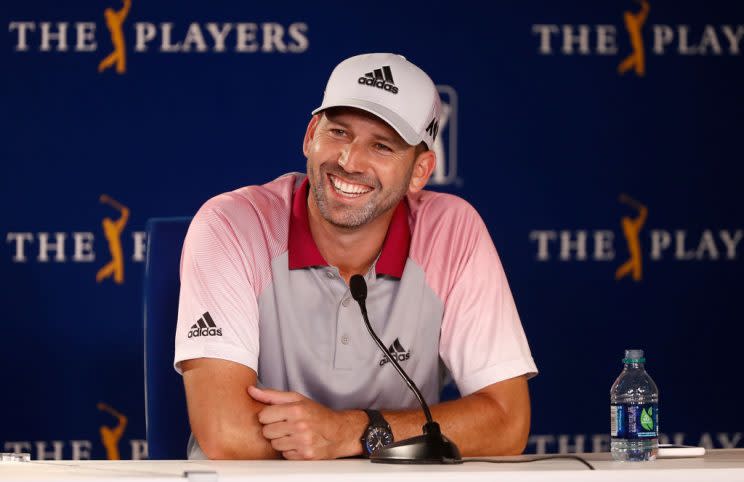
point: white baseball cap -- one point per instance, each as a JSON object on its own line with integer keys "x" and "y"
{"x": 390, "y": 87}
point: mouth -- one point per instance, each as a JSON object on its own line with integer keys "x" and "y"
{"x": 346, "y": 189}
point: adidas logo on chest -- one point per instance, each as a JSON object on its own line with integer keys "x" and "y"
{"x": 396, "y": 351}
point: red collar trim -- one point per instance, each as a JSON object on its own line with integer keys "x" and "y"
{"x": 303, "y": 252}
{"x": 397, "y": 243}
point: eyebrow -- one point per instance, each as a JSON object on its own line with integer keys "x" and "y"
{"x": 392, "y": 140}
{"x": 396, "y": 141}
{"x": 336, "y": 121}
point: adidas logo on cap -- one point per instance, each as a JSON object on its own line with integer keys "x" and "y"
{"x": 205, "y": 326}
{"x": 380, "y": 78}
{"x": 397, "y": 351}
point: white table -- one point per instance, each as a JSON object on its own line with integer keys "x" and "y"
{"x": 718, "y": 465}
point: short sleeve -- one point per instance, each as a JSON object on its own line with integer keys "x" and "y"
{"x": 482, "y": 340}
{"x": 217, "y": 306}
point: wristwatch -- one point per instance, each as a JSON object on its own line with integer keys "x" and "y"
{"x": 378, "y": 433}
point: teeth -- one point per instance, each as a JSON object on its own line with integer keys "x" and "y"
{"x": 347, "y": 188}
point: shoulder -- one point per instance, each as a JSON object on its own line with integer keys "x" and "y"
{"x": 429, "y": 207}
{"x": 441, "y": 214}
{"x": 271, "y": 199}
{"x": 244, "y": 211}
{"x": 447, "y": 233}
{"x": 251, "y": 218}
{"x": 241, "y": 231}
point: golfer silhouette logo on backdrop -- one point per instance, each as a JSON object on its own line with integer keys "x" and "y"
{"x": 632, "y": 229}
{"x": 634, "y": 23}
{"x": 110, "y": 436}
{"x": 114, "y": 22}
{"x": 112, "y": 230}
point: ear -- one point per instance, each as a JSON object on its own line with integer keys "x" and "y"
{"x": 310, "y": 133}
{"x": 423, "y": 166}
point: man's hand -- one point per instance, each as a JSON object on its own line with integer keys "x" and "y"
{"x": 302, "y": 429}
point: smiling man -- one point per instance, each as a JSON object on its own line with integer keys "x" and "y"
{"x": 275, "y": 358}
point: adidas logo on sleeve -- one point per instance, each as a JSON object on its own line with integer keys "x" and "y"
{"x": 380, "y": 78}
{"x": 205, "y": 326}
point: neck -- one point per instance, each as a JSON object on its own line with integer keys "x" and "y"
{"x": 351, "y": 250}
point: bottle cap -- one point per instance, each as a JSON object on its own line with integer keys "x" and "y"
{"x": 634, "y": 356}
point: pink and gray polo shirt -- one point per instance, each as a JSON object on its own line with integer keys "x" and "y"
{"x": 255, "y": 290}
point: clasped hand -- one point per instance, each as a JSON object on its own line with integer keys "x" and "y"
{"x": 302, "y": 429}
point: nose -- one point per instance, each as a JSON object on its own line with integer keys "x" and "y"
{"x": 350, "y": 158}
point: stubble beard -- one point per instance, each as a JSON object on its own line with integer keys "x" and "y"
{"x": 379, "y": 202}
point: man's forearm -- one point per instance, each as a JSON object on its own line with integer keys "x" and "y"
{"x": 478, "y": 423}
{"x": 223, "y": 417}
{"x": 236, "y": 438}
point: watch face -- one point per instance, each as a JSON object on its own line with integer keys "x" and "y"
{"x": 378, "y": 437}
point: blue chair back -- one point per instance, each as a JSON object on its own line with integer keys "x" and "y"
{"x": 166, "y": 420}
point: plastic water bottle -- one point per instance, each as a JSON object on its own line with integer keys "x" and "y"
{"x": 634, "y": 412}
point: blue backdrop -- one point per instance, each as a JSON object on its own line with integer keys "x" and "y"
{"x": 567, "y": 121}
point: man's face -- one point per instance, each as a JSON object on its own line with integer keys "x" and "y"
{"x": 357, "y": 165}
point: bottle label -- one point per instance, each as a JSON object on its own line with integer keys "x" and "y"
{"x": 634, "y": 421}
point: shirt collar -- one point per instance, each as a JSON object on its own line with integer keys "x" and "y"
{"x": 303, "y": 252}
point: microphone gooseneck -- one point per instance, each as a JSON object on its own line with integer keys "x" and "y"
{"x": 358, "y": 289}
{"x": 432, "y": 447}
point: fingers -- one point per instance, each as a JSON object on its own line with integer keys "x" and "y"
{"x": 277, "y": 430}
{"x": 281, "y": 406}
{"x": 277, "y": 413}
{"x": 291, "y": 455}
{"x": 273, "y": 397}
{"x": 292, "y": 439}
{"x": 296, "y": 447}
{"x": 293, "y": 442}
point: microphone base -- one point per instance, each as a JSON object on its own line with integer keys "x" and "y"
{"x": 430, "y": 448}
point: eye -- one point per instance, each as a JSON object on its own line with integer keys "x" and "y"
{"x": 337, "y": 132}
{"x": 382, "y": 147}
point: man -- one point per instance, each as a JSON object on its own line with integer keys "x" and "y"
{"x": 265, "y": 298}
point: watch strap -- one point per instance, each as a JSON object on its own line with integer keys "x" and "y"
{"x": 375, "y": 418}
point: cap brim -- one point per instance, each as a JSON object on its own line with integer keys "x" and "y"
{"x": 391, "y": 118}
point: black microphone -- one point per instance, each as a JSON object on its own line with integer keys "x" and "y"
{"x": 430, "y": 448}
